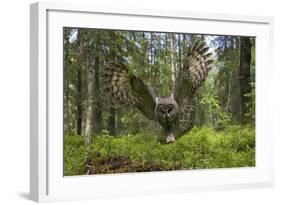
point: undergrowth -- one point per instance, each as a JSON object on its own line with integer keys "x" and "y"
{"x": 201, "y": 148}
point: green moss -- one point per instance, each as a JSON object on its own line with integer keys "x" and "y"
{"x": 199, "y": 149}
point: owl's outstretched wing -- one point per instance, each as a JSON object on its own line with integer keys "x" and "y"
{"x": 128, "y": 89}
{"x": 197, "y": 63}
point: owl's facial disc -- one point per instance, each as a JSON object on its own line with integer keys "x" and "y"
{"x": 167, "y": 110}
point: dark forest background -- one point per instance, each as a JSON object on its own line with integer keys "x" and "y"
{"x": 227, "y": 98}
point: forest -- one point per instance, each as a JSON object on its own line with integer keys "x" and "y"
{"x": 103, "y": 136}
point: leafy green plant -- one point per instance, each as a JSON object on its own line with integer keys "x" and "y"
{"x": 220, "y": 117}
{"x": 75, "y": 155}
{"x": 202, "y": 148}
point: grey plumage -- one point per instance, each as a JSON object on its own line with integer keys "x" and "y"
{"x": 128, "y": 89}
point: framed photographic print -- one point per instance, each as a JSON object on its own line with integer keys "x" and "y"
{"x": 127, "y": 102}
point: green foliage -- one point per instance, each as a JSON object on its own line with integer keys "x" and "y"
{"x": 199, "y": 149}
{"x": 133, "y": 122}
{"x": 74, "y": 140}
{"x": 75, "y": 155}
{"x": 251, "y": 104}
{"x": 219, "y": 118}
{"x": 226, "y": 81}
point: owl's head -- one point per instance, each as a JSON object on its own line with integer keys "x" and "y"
{"x": 166, "y": 108}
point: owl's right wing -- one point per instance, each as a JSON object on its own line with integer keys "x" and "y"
{"x": 197, "y": 63}
{"x": 128, "y": 89}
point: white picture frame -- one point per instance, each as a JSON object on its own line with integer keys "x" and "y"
{"x": 47, "y": 182}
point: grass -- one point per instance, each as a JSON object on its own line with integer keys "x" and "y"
{"x": 202, "y": 148}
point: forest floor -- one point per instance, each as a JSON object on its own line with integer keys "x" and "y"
{"x": 201, "y": 148}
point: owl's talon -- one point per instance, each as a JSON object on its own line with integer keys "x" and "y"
{"x": 170, "y": 138}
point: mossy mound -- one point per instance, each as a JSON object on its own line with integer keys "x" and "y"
{"x": 202, "y": 148}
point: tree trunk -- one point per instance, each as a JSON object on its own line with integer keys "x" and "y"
{"x": 226, "y": 69}
{"x": 180, "y": 52}
{"x": 151, "y": 56}
{"x": 96, "y": 93}
{"x": 79, "y": 95}
{"x": 66, "y": 83}
{"x": 89, "y": 99}
{"x": 172, "y": 59}
{"x": 88, "y": 126}
{"x": 144, "y": 49}
{"x": 79, "y": 103}
{"x": 229, "y": 93}
{"x": 191, "y": 39}
{"x": 166, "y": 47}
{"x": 111, "y": 121}
{"x": 245, "y": 74}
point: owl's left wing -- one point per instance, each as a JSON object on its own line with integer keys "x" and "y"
{"x": 197, "y": 63}
{"x": 128, "y": 89}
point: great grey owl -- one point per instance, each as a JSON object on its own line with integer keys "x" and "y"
{"x": 127, "y": 88}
